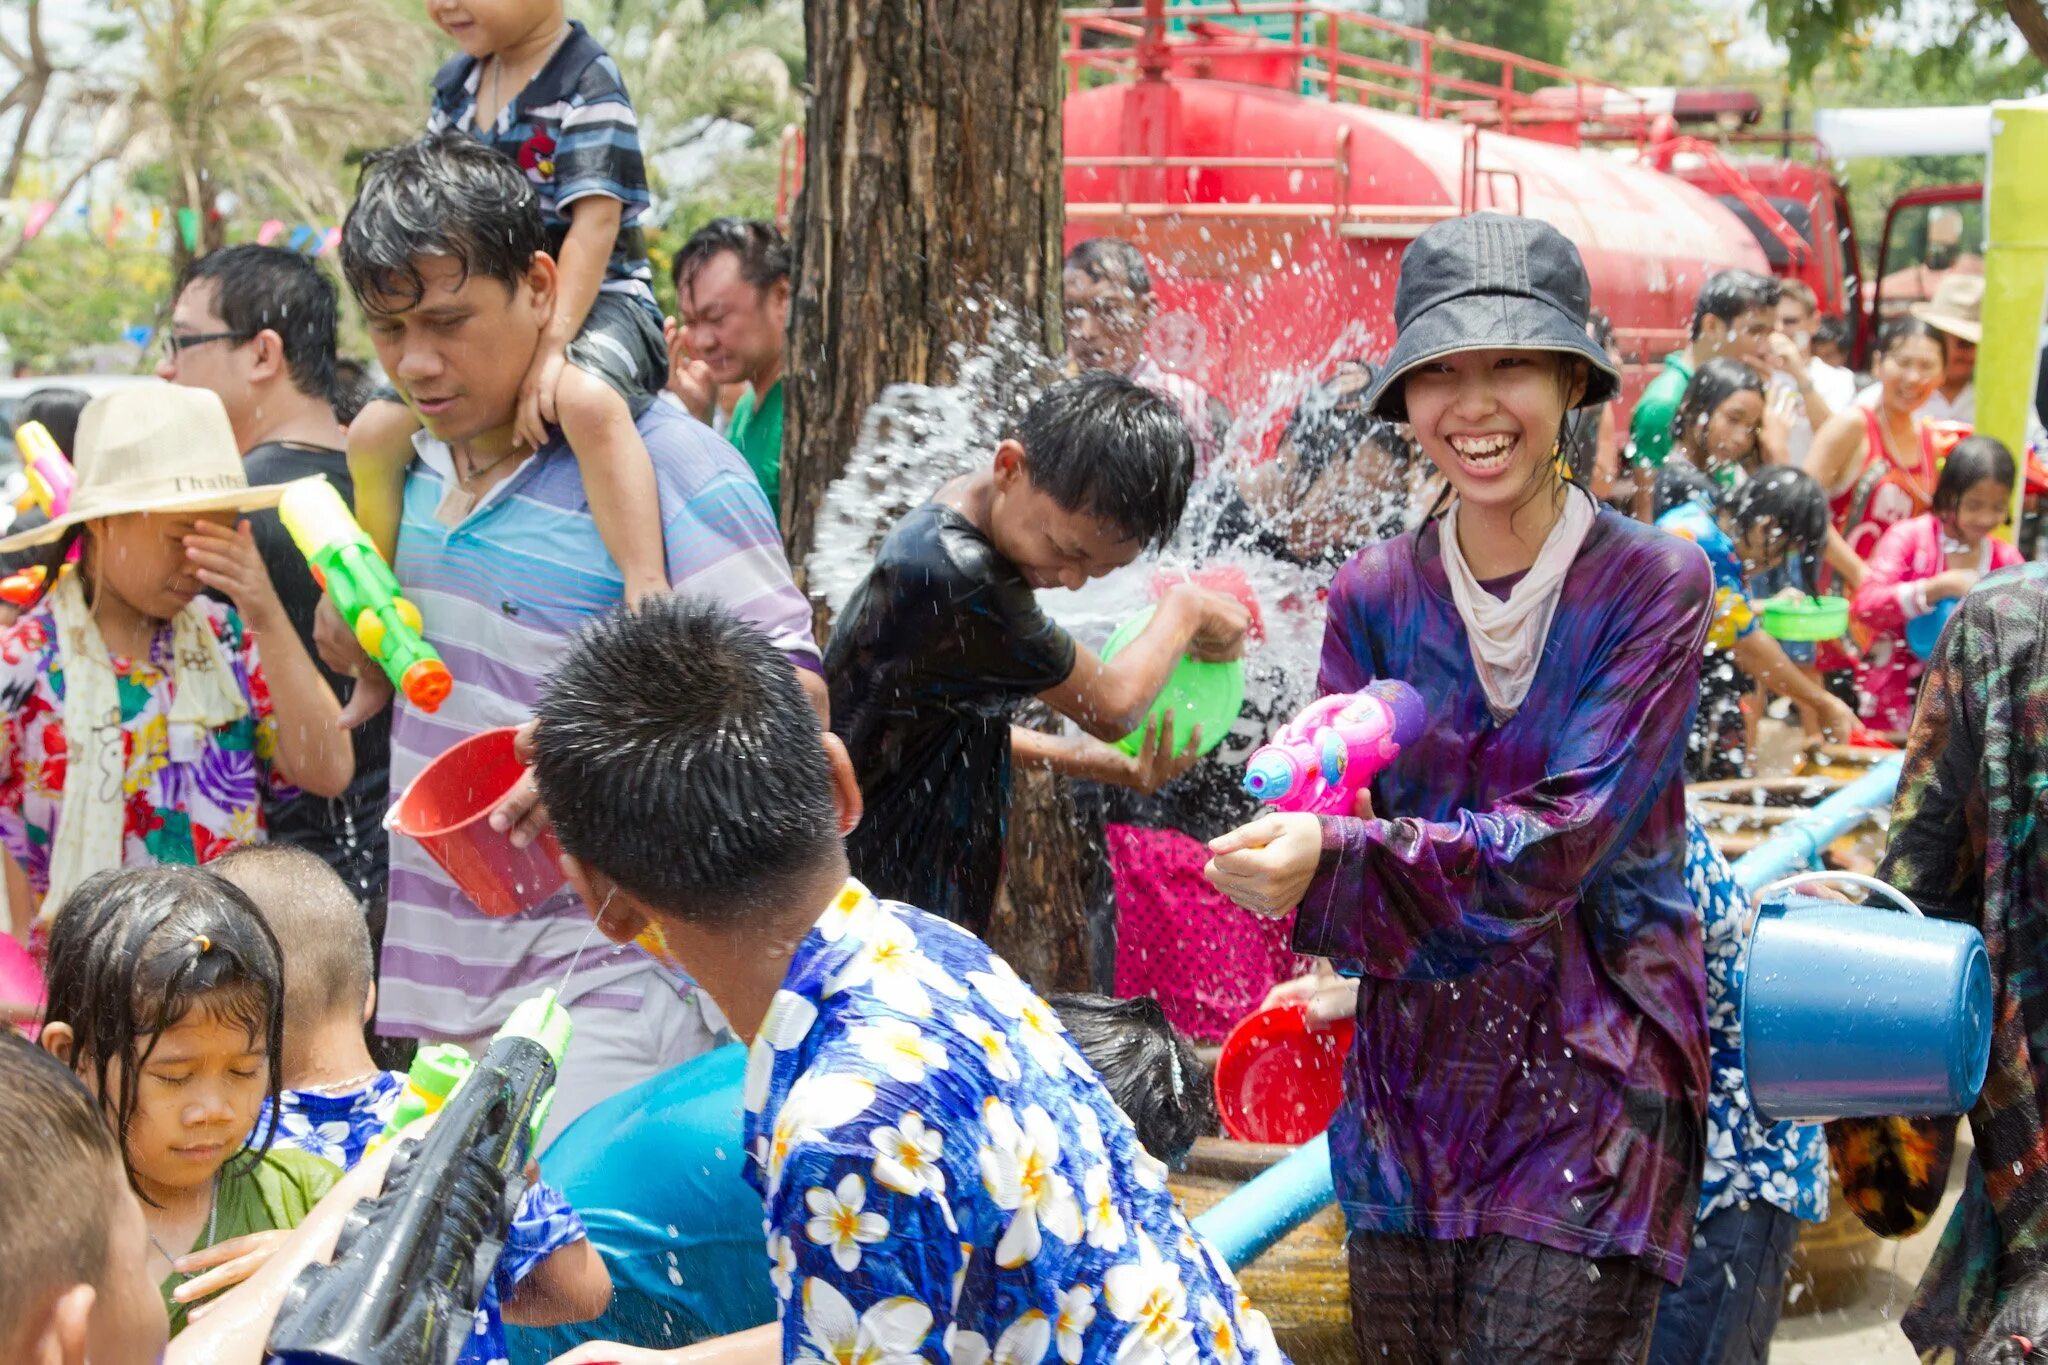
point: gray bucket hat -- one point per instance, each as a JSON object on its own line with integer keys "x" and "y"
{"x": 1489, "y": 280}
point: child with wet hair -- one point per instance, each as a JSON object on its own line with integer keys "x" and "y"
{"x": 334, "y": 1098}
{"x": 1149, "y": 1070}
{"x": 167, "y": 1000}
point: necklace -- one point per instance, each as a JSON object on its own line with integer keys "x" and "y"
{"x": 212, "y": 1225}
{"x": 343, "y": 1087}
{"x": 477, "y": 471}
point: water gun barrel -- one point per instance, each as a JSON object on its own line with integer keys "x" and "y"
{"x": 363, "y": 589}
{"x": 411, "y": 1266}
{"x": 51, "y": 479}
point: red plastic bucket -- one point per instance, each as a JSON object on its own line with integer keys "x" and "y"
{"x": 447, "y": 811}
{"x": 1277, "y": 1079}
{"x": 22, "y": 995}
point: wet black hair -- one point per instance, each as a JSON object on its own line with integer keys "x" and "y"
{"x": 267, "y": 288}
{"x": 2019, "y": 1332}
{"x": 1834, "y": 329}
{"x": 1681, "y": 481}
{"x": 55, "y": 1159}
{"x": 353, "y": 388}
{"x": 1729, "y": 294}
{"x": 1332, "y": 421}
{"x": 1795, "y": 503}
{"x": 58, "y": 410}
{"x": 762, "y": 250}
{"x": 445, "y": 196}
{"x": 1975, "y": 460}
{"x": 1148, "y": 1069}
{"x": 1108, "y": 447}
{"x": 322, "y": 936}
{"x": 1715, "y": 382}
{"x": 134, "y": 951}
{"x": 1899, "y": 331}
{"x": 1106, "y": 259}
{"x": 681, "y": 760}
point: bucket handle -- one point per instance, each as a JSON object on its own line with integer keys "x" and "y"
{"x": 1885, "y": 889}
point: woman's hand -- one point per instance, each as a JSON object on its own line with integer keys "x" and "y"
{"x": 1329, "y": 997}
{"x": 228, "y": 561}
{"x": 1267, "y": 865}
{"x": 1953, "y": 583}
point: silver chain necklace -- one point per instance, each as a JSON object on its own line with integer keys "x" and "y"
{"x": 212, "y": 1225}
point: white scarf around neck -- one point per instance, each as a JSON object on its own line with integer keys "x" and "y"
{"x": 204, "y": 697}
{"x": 1506, "y": 637}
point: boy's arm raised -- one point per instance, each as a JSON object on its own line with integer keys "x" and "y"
{"x": 1109, "y": 699}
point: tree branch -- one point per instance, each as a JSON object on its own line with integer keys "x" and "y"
{"x": 2030, "y": 17}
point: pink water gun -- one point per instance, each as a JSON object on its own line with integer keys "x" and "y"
{"x": 1324, "y": 757}
{"x": 50, "y": 479}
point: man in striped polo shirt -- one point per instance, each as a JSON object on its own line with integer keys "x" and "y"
{"x": 445, "y": 251}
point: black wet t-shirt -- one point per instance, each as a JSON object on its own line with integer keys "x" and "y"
{"x": 927, "y": 664}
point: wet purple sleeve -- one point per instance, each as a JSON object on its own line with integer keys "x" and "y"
{"x": 1435, "y": 898}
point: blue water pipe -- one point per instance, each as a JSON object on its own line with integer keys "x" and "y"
{"x": 1292, "y": 1190}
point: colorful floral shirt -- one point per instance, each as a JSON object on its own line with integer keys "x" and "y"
{"x": 182, "y": 807}
{"x": 1734, "y": 616}
{"x": 1531, "y": 1054}
{"x": 1969, "y": 842}
{"x": 946, "y": 1179}
{"x": 339, "y": 1127}
{"x": 1783, "y": 1164}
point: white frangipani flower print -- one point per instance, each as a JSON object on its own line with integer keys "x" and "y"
{"x": 839, "y": 1221}
{"x": 901, "y": 1049}
{"x": 891, "y": 1332}
{"x": 1020, "y": 1168}
{"x": 787, "y": 1023}
{"x": 907, "y": 1156}
{"x": 1076, "y": 1316}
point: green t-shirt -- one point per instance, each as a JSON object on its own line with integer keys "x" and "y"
{"x": 278, "y": 1192}
{"x": 757, "y": 431}
{"x": 1650, "y": 425}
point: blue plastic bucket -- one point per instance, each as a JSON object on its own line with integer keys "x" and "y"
{"x": 1923, "y": 632}
{"x": 1856, "y": 1011}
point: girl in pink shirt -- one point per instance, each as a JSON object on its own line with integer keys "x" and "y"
{"x": 1922, "y": 565}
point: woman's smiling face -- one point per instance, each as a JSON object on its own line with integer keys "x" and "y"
{"x": 1489, "y": 418}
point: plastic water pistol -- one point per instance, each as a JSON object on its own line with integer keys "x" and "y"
{"x": 411, "y": 1265}
{"x": 50, "y": 484}
{"x": 1319, "y": 761}
{"x": 355, "y": 576}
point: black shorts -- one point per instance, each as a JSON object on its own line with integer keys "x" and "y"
{"x": 620, "y": 343}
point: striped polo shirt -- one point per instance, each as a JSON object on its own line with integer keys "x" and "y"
{"x": 502, "y": 593}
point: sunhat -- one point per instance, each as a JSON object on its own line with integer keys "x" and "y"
{"x": 1956, "y": 308}
{"x": 153, "y": 448}
{"x": 1490, "y": 281}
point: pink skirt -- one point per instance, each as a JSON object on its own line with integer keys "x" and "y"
{"x": 1207, "y": 961}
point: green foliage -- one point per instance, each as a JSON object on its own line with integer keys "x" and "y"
{"x": 68, "y": 293}
{"x": 1957, "y": 32}
{"x": 1538, "y": 29}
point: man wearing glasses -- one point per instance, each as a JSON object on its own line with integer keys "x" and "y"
{"x": 256, "y": 325}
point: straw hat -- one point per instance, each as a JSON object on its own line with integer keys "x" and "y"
{"x": 1956, "y": 308}
{"x": 153, "y": 448}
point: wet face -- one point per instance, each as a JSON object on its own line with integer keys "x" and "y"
{"x": 1746, "y": 339}
{"x": 1911, "y": 371}
{"x": 481, "y": 27}
{"x": 732, "y": 326}
{"x": 141, "y": 558}
{"x": 1981, "y": 510}
{"x": 222, "y": 365}
{"x": 1795, "y": 322}
{"x": 1489, "y": 419}
{"x": 458, "y": 353}
{"x": 1106, "y": 321}
{"x": 1051, "y": 546}
{"x": 1731, "y": 434}
{"x": 196, "y": 1101}
{"x": 128, "y": 1325}
{"x": 1762, "y": 547}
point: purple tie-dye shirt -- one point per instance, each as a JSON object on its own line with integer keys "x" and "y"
{"x": 1531, "y": 1057}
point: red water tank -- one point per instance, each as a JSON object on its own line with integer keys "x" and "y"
{"x": 1276, "y": 221}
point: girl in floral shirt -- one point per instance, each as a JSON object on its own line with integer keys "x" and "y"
{"x": 140, "y": 727}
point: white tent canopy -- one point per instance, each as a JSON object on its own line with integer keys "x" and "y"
{"x": 1960, "y": 131}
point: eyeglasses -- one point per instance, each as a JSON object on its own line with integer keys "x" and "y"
{"x": 175, "y": 342}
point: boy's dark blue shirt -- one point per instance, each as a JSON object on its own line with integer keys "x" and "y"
{"x": 927, "y": 664}
{"x": 573, "y": 133}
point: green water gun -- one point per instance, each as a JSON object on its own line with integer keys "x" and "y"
{"x": 348, "y": 567}
{"x": 439, "y": 1069}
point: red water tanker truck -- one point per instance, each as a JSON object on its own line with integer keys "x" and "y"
{"x": 1274, "y": 160}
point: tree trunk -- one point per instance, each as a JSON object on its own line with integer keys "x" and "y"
{"x": 2031, "y": 18}
{"x": 932, "y": 193}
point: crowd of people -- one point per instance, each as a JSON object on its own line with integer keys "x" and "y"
{"x": 804, "y": 1112}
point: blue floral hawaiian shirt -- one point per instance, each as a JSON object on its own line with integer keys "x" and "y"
{"x": 339, "y": 1127}
{"x": 1783, "y": 1164}
{"x": 946, "y": 1179}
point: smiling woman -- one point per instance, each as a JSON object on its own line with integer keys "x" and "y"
{"x": 1511, "y": 892}
{"x": 167, "y": 999}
